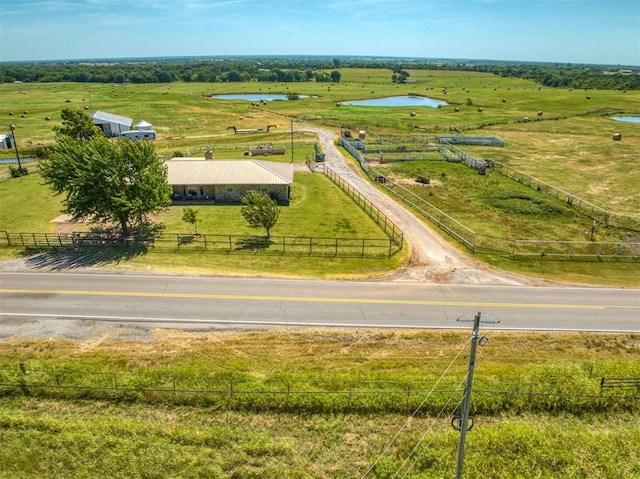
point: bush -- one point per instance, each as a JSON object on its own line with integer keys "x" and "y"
{"x": 18, "y": 171}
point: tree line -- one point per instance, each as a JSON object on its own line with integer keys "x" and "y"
{"x": 169, "y": 70}
{"x": 304, "y": 69}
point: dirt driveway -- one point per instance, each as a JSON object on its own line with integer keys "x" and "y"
{"x": 432, "y": 258}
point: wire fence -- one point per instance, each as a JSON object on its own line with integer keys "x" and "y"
{"x": 312, "y": 395}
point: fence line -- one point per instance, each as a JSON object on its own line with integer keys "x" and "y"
{"x": 285, "y": 392}
{"x": 221, "y": 244}
{"x": 450, "y": 152}
{"x": 453, "y": 153}
{"x": 516, "y": 248}
{"x": 601, "y": 215}
{"x": 387, "y": 226}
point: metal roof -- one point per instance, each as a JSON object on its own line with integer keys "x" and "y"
{"x": 190, "y": 171}
{"x": 103, "y": 116}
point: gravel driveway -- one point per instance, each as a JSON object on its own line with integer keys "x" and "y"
{"x": 432, "y": 258}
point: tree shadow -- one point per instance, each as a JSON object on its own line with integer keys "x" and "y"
{"x": 253, "y": 243}
{"x": 74, "y": 258}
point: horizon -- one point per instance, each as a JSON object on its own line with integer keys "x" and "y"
{"x": 250, "y": 56}
{"x": 589, "y": 32}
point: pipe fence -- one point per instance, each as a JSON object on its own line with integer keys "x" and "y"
{"x": 597, "y": 213}
{"x": 476, "y": 242}
{"x": 221, "y": 243}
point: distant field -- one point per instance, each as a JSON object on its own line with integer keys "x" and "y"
{"x": 571, "y": 148}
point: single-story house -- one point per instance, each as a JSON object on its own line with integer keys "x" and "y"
{"x": 111, "y": 125}
{"x": 227, "y": 181}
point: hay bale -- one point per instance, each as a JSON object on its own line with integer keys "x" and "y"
{"x": 480, "y": 110}
{"x": 413, "y": 113}
{"x": 617, "y": 136}
{"x": 457, "y": 109}
{"x": 539, "y": 113}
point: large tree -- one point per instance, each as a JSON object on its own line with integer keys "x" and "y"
{"x": 108, "y": 182}
{"x": 76, "y": 124}
{"x": 260, "y": 210}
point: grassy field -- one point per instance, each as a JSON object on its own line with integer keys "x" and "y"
{"x": 571, "y": 148}
{"x": 563, "y": 430}
{"x": 157, "y": 436}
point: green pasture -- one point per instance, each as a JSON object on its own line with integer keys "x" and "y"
{"x": 567, "y": 143}
{"x": 186, "y": 109}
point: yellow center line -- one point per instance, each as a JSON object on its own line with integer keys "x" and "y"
{"x": 138, "y": 294}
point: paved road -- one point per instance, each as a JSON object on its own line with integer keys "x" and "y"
{"x": 30, "y": 300}
{"x": 440, "y": 286}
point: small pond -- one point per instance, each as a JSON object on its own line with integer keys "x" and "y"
{"x": 253, "y": 96}
{"x": 9, "y": 161}
{"x": 628, "y": 119}
{"x": 408, "y": 100}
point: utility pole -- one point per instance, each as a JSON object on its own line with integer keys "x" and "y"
{"x": 291, "y": 139}
{"x": 466, "y": 399}
{"x": 15, "y": 146}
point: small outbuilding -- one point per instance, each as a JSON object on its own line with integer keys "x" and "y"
{"x": 110, "y": 124}
{"x": 143, "y": 126}
{"x": 6, "y": 141}
{"x": 227, "y": 181}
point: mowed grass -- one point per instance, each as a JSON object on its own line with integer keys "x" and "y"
{"x": 318, "y": 209}
{"x": 50, "y": 437}
{"x": 574, "y": 152}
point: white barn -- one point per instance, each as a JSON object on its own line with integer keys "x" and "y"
{"x": 110, "y": 124}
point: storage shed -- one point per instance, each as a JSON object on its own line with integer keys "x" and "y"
{"x": 110, "y": 124}
{"x": 6, "y": 141}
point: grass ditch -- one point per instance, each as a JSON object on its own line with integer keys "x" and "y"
{"x": 51, "y": 434}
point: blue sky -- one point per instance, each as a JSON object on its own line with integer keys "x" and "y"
{"x": 573, "y": 31}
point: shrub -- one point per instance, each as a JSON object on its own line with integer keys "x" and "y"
{"x": 17, "y": 171}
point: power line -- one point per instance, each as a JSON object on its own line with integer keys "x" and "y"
{"x": 425, "y": 434}
{"x": 406, "y": 423}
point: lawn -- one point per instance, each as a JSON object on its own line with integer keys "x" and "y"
{"x": 567, "y": 143}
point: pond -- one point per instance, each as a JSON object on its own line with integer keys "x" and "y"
{"x": 628, "y": 119}
{"x": 253, "y": 96}
{"x": 26, "y": 159}
{"x": 407, "y": 100}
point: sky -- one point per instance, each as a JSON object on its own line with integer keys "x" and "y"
{"x": 564, "y": 31}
